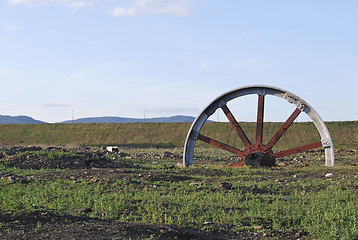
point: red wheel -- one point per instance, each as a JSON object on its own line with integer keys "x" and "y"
{"x": 257, "y": 153}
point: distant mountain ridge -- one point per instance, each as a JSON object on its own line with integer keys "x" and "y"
{"x": 177, "y": 118}
{"x": 4, "y": 119}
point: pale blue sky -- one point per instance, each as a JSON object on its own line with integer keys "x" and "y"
{"x": 170, "y": 57}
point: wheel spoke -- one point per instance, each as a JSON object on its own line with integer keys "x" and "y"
{"x": 236, "y": 126}
{"x": 260, "y": 118}
{"x": 220, "y": 145}
{"x": 298, "y": 149}
{"x": 283, "y": 128}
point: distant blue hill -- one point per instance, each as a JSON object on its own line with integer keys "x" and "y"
{"x": 178, "y": 118}
{"x": 4, "y": 119}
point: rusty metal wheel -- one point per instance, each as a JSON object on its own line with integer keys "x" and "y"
{"x": 258, "y": 153}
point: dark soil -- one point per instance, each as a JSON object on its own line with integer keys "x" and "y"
{"x": 47, "y": 225}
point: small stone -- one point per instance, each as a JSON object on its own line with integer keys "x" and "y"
{"x": 94, "y": 179}
{"x": 296, "y": 176}
{"x": 11, "y": 179}
{"x": 329, "y": 175}
{"x": 179, "y": 164}
{"x": 286, "y": 198}
{"x": 112, "y": 149}
{"x": 299, "y": 233}
{"x": 171, "y": 229}
{"x": 194, "y": 184}
{"x": 257, "y": 227}
{"x": 155, "y": 163}
{"x": 208, "y": 223}
{"x": 30, "y": 178}
{"x": 225, "y": 185}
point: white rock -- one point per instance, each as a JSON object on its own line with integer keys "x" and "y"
{"x": 329, "y": 175}
{"x": 207, "y": 223}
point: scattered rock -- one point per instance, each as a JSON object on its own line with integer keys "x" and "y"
{"x": 30, "y": 178}
{"x": 94, "y": 179}
{"x": 258, "y": 227}
{"x": 12, "y": 178}
{"x": 208, "y": 223}
{"x": 329, "y": 175}
{"x": 166, "y": 154}
{"x": 171, "y": 229}
{"x": 195, "y": 183}
{"x": 179, "y": 164}
{"x": 298, "y": 234}
{"x": 225, "y": 185}
{"x": 112, "y": 149}
{"x": 60, "y": 158}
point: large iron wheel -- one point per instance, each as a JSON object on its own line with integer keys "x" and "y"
{"x": 257, "y": 152}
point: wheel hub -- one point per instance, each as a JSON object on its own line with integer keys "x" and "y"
{"x": 256, "y": 159}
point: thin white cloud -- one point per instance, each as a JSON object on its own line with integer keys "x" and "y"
{"x": 21, "y": 2}
{"x": 153, "y": 7}
{"x": 78, "y": 4}
{"x": 134, "y": 8}
{"x": 176, "y": 110}
{"x": 68, "y": 3}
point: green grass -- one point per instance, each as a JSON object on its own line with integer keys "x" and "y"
{"x": 261, "y": 198}
{"x": 167, "y": 135}
{"x": 270, "y": 200}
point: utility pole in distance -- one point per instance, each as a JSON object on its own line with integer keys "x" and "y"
{"x": 73, "y": 115}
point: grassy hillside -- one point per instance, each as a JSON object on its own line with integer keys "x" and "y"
{"x": 344, "y": 134}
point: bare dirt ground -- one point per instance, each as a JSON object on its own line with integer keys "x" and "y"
{"x": 69, "y": 227}
{"x": 94, "y": 167}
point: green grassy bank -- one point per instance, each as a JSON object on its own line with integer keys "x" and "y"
{"x": 344, "y": 134}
